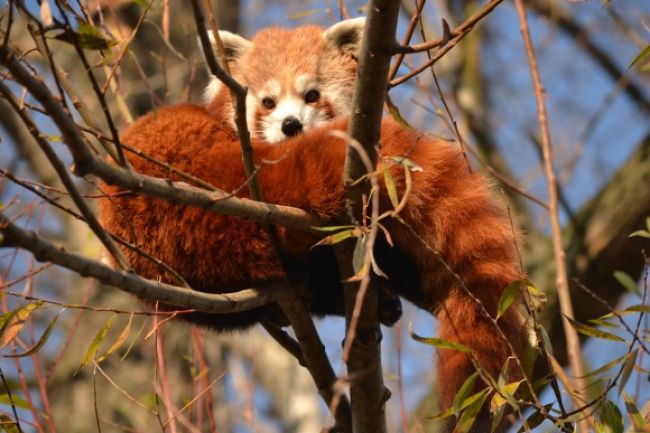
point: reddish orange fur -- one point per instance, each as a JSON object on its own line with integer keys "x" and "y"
{"x": 449, "y": 208}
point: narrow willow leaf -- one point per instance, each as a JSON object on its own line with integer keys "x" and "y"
{"x": 464, "y": 392}
{"x": 496, "y": 420}
{"x": 645, "y": 53}
{"x": 8, "y": 425}
{"x": 537, "y": 297}
{"x": 412, "y": 165}
{"x": 375, "y": 267}
{"x": 627, "y": 282}
{"x": 604, "y": 322}
{"x": 642, "y": 308}
{"x": 508, "y": 296}
{"x": 390, "y": 187}
{"x": 505, "y": 395}
{"x": 593, "y": 332}
{"x": 633, "y": 412}
{"x": 473, "y": 408}
{"x": 611, "y": 364}
{"x": 630, "y": 362}
{"x": 14, "y": 321}
{"x": 611, "y": 417}
{"x": 332, "y": 228}
{"x": 17, "y": 401}
{"x": 440, "y": 343}
{"x": 339, "y": 237}
{"x": 359, "y": 255}
{"x": 535, "y": 419}
{"x": 94, "y": 345}
{"x": 41, "y": 341}
{"x": 304, "y": 14}
{"x": 545, "y": 340}
{"x": 640, "y": 233}
{"x": 119, "y": 342}
{"x": 397, "y": 115}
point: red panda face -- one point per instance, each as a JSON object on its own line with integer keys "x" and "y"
{"x": 296, "y": 79}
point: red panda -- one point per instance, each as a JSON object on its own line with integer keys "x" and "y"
{"x": 454, "y": 244}
{"x": 297, "y": 79}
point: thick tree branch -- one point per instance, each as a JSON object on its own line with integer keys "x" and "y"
{"x": 175, "y": 192}
{"x": 367, "y": 391}
{"x": 14, "y": 237}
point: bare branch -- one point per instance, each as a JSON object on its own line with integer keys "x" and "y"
{"x": 367, "y": 391}
{"x": 445, "y": 44}
{"x": 13, "y": 236}
{"x": 573, "y": 342}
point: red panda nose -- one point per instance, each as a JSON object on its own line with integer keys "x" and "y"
{"x": 291, "y": 126}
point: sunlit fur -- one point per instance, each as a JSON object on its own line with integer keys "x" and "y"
{"x": 451, "y": 210}
{"x": 284, "y": 65}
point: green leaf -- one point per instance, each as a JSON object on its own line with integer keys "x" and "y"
{"x": 87, "y": 36}
{"x": 332, "y": 228}
{"x": 641, "y": 56}
{"x": 508, "y": 296}
{"x": 440, "y": 343}
{"x": 359, "y": 255}
{"x": 545, "y": 340}
{"x": 535, "y": 419}
{"x": 630, "y": 362}
{"x": 41, "y": 341}
{"x": 12, "y": 322}
{"x": 475, "y": 403}
{"x": 537, "y": 297}
{"x": 410, "y": 164}
{"x": 390, "y": 187}
{"x": 627, "y": 282}
{"x": 339, "y": 237}
{"x": 17, "y": 401}
{"x": 611, "y": 364}
{"x": 8, "y": 425}
{"x": 397, "y": 115}
{"x": 505, "y": 395}
{"x": 640, "y": 233}
{"x": 633, "y": 412}
{"x": 464, "y": 392}
{"x": 611, "y": 417}
{"x": 94, "y": 345}
{"x": 593, "y": 332}
{"x": 120, "y": 340}
{"x": 642, "y": 308}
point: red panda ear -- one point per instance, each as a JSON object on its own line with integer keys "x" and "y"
{"x": 346, "y": 35}
{"x": 235, "y": 47}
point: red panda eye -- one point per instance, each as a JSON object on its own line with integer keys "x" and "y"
{"x": 312, "y": 96}
{"x": 268, "y": 103}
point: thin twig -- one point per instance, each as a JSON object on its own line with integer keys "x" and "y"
{"x": 573, "y": 342}
{"x": 445, "y": 44}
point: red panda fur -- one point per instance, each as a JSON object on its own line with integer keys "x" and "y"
{"x": 450, "y": 209}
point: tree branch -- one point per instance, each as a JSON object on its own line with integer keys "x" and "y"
{"x": 15, "y": 237}
{"x": 573, "y": 343}
{"x": 367, "y": 391}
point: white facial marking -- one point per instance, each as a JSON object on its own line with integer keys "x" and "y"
{"x": 211, "y": 90}
{"x": 304, "y": 83}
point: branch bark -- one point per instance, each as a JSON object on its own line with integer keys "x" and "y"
{"x": 367, "y": 392}
{"x": 14, "y": 237}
